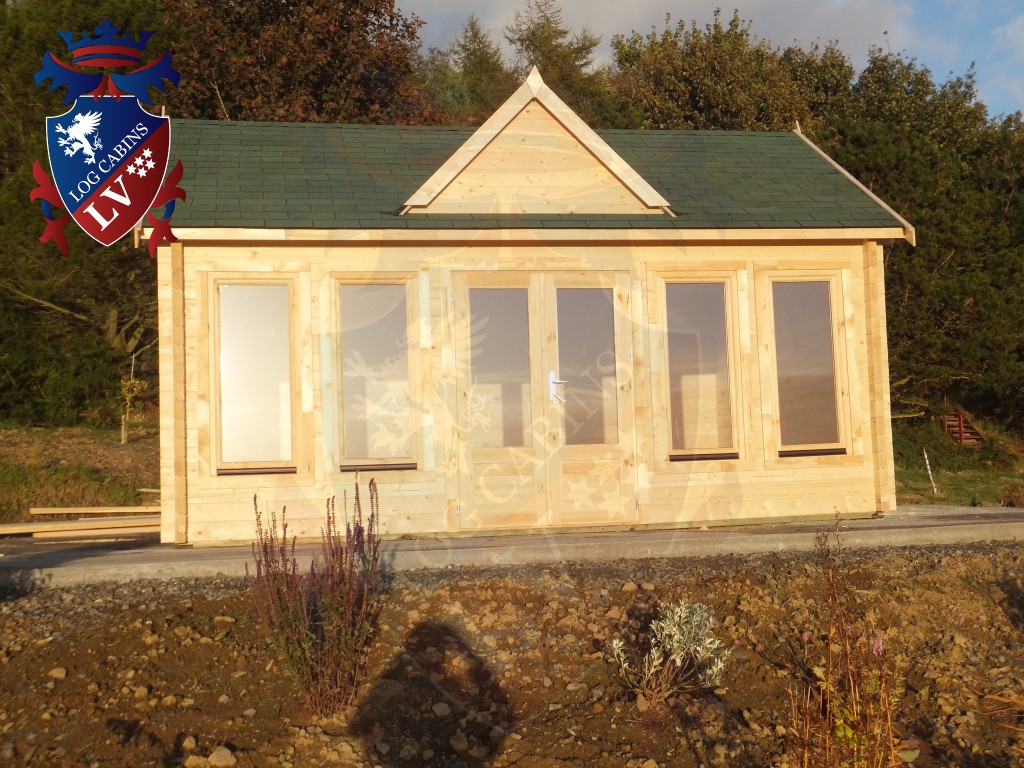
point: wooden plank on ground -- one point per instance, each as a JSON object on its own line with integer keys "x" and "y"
{"x": 94, "y": 533}
{"x": 108, "y": 511}
{"x": 81, "y": 525}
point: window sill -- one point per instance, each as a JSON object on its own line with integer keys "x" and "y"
{"x": 237, "y": 471}
{"x": 378, "y": 467}
{"x": 733, "y": 456}
{"x": 803, "y": 452}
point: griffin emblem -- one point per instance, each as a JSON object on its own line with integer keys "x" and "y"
{"x": 77, "y": 133}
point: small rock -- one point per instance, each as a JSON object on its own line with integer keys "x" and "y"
{"x": 642, "y": 705}
{"x": 383, "y": 747}
{"x": 58, "y": 673}
{"x": 720, "y": 753}
{"x": 427, "y": 755}
{"x": 479, "y": 752}
{"x": 649, "y": 763}
{"x": 169, "y": 701}
{"x": 188, "y": 744}
{"x": 195, "y": 761}
{"x": 459, "y": 742}
{"x": 221, "y": 757}
{"x": 407, "y": 753}
{"x": 647, "y": 586}
{"x": 141, "y": 692}
{"x": 441, "y": 709}
{"x": 249, "y": 714}
{"x": 629, "y": 586}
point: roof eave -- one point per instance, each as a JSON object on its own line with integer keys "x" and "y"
{"x": 632, "y": 236}
{"x": 908, "y": 233}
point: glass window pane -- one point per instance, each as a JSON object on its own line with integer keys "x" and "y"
{"x": 499, "y": 404}
{"x": 586, "y": 360}
{"x": 804, "y": 359}
{"x": 376, "y": 417}
{"x": 255, "y": 374}
{"x": 698, "y": 364}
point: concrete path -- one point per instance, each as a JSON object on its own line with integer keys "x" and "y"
{"x": 26, "y": 562}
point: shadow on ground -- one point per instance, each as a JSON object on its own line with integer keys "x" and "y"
{"x": 437, "y": 702}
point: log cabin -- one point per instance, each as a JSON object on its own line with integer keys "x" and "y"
{"x": 529, "y": 326}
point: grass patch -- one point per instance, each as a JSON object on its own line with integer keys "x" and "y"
{"x": 968, "y": 476}
{"x": 961, "y": 489}
{"x": 75, "y": 485}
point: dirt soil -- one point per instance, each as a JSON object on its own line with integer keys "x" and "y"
{"x": 507, "y": 666}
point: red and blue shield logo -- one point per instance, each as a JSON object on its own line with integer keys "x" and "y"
{"x": 108, "y": 157}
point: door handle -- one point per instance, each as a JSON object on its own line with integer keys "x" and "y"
{"x": 554, "y": 381}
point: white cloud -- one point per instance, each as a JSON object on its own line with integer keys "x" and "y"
{"x": 1009, "y": 37}
{"x": 855, "y": 24}
{"x": 943, "y": 35}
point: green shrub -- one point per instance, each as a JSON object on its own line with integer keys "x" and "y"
{"x": 683, "y": 656}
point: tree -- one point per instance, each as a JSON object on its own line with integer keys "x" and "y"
{"x": 715, "y": 77}
{"x": 824, "y": 77}
{"x": 69, "y": 326}
{"x": 955, "y": 311}
{"x": 312, "y": 61}
{"x": 469, "y": 80}
{"x": 488, "y": 82}
{"x": 565, "y": 61}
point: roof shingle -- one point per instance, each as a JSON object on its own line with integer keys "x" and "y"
{"x": 324, "y": 176}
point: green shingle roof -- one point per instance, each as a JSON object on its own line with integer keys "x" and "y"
{"x": 323, "y": 176}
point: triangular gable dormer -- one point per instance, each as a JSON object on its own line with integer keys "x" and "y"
{"x": 534, "y": 155}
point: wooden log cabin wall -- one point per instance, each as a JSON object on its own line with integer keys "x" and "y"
{"x": 528, "y": 326}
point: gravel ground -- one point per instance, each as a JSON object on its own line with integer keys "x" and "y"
{"x": 508, "y": 667}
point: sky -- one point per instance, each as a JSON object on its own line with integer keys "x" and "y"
{"x": 946, "y": 36}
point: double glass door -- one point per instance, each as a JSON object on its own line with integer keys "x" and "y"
{"x": 545, "y": 399}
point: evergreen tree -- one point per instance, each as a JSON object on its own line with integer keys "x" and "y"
{"x": 539, "y": 38}
{"x": 955, "y": 310}
{"x": 469, "y": 80}
{"x": 488, "y": 82}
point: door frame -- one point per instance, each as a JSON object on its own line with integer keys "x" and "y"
{"x": 549, "y": 464}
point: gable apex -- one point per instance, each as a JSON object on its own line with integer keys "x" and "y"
{"x": 535, "y": 155}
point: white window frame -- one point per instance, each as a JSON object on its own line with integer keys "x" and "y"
{"x": 412, "y": 461}
{"x": 697, "y": 459}
{"x": 283, "y": 466}
{"x": 841, "y": 448}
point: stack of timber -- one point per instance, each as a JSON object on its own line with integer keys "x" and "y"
{"x": 87, "y": 522}
{"x": 960, "y": 428}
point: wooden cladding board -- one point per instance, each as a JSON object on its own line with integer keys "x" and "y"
{"x": 437, "y": 496}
